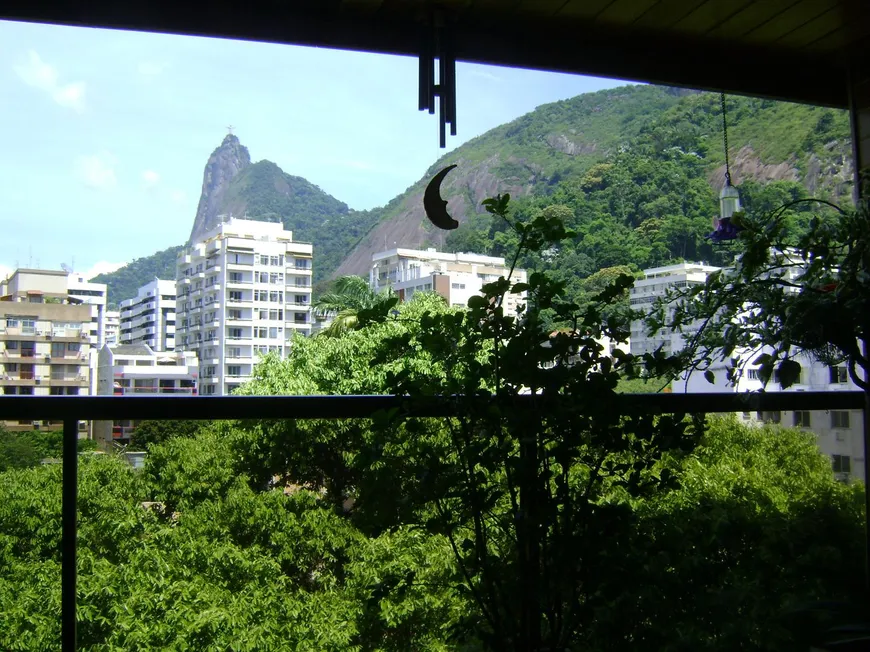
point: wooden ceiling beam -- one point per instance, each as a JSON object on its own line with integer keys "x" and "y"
{"x": 512, "y": 40}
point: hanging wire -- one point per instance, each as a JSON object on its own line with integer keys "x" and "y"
{"x": 725, "y": 138}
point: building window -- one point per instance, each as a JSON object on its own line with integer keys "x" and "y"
{"x": 752, "y": 374}
{"x": 274, "y": 332}
{"x": 234, "y": 370}
{"x": 302, "y": 264}
{"x": 276, "y": 315}
{"x": 275, "y": 278}
{"x": 458, "y": 286}
{"x": 234, "y": 352}
{"x": 839, "y": 419}
{"x": 11, "y": 322}
{"x": 235, "y": 295}
{"x": 769, "y": 417}
{"x": 301, "y": 298}
{"x": 838, "y": 375}
{"x": 276, "y": 297}
{"x": 841, "y": 463}
{"x": 235, "y": 333}
{"x": 235, "y": 277}
{"x": 802, "y": 419}
{"x": 261, "y": 332}
{"x": 300, "y": 317}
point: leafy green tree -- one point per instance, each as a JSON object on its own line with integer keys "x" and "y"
{"x": 17, "y": 451}
{"x": 148, "y": 433}
{"x": 756, "y": 528}
{"x": 350, "y": 303}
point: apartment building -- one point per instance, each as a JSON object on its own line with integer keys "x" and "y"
{"x": 149, "y": 317}
{"x": 113, "y": 327}
{"x": 45, "y": 340}
{"x": 839, "y": 433}
{"x": 138, "y": 370}
{"x": 655, "y": 284}
{"x": 455, "y": 276}
{"x": 243, "y": 290}
{"x": 96, "y": 296}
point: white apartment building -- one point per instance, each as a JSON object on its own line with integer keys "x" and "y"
{"x": 655, "y": 284}
{"x": 138, "y": 370}
{"x": 113, "y": 327}
{"x": 45, "y": 340}
{"x": 95, "y": 295}
{"x": 242, "y": 291}
{"x": 149, "y": 317}
{"x": 839, "y": 433}
{"x": 457, "y": 277}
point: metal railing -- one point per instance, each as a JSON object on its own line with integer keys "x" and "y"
{"x": 71, "y": 410}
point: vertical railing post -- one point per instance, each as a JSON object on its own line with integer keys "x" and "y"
{"x": 69, "y": 532}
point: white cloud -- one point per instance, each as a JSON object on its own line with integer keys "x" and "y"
{"x": 178, "y": 196}
{"x": 102, "y": 267}
{"x": 150, "y": 68}
{"x": 150, "y": 178}
{"x": 96, "y": 171}
{"x": 37, "y": 73}
{"x": 481, "y": 73}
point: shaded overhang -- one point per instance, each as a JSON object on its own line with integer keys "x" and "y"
{"x": 794, "y": 50}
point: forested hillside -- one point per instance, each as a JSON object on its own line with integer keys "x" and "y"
{"x": 637, "y": 168}
{"x": 123, "y": 283}
{"x": 621, "y": 157}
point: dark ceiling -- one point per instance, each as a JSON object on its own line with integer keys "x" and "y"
{"x": 788, "y": 49}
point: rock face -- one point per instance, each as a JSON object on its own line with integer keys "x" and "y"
{"x": 230, "y": 158}
{"x": 464, "y": 189}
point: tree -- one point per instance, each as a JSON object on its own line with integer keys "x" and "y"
{"x": 520, "y": 488}
{"x": 757, "y": 527}
{"x": 350, "y": 303}
{"x": 17, "y": 451}
{"x": 148, "y": 433}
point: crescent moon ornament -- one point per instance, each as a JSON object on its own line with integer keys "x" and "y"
{"x": 436, "y": 208}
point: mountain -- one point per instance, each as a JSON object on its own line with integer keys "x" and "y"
{"x": 224, "y": 165}
{"x": 637, "y": 168}
{"x": 546, "y": 155}
{"x": 123, "y": 283}
{"x": 233, "y": 185}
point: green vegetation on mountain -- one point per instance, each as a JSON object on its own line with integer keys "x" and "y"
{"x": 264, "y": 192}
{"x": 123, "y": 283}
{"x": 639, "y": 167}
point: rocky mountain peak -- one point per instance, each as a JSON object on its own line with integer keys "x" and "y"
{"x": 224, "y": 164}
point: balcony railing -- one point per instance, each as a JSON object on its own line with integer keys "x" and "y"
{"x": 70, "y": 410}
{"x": 155, "y": 389}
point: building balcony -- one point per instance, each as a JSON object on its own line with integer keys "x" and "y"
{"x": 79, "y": 380}
{"x": 212, "y": 268}
{"x": 155, "y": 390}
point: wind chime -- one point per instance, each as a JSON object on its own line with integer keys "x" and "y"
{"x": 436, "y": 43}
{"x": 725, "y": 226}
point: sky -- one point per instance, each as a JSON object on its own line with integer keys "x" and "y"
{"x": 106, "y": 133}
